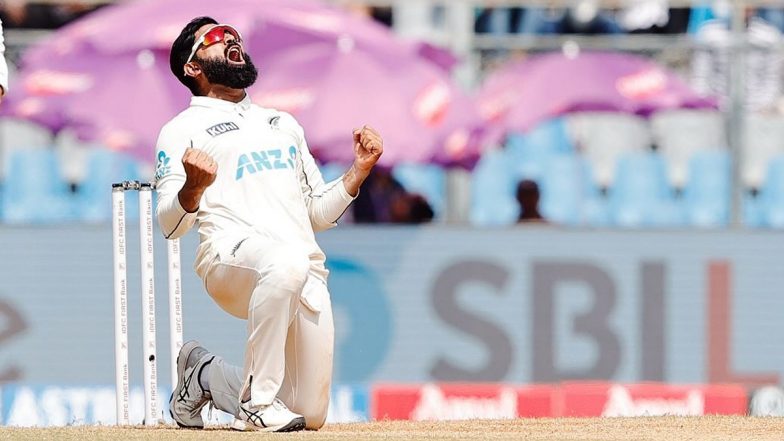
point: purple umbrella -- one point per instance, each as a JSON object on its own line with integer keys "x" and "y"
{"x": 524, "y": 93}
{"x": 336, "y": 88}
{"x": 269, "y": 26}
{"x": 121, "y": 97}
{"x": 121, "y": 101}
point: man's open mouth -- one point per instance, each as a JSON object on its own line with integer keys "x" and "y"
{"x": 234, "y": 54}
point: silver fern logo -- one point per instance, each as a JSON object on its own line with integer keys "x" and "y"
{"x": 162, "y": 168}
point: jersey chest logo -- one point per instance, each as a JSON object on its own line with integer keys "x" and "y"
{"x": 273, "y": 159}
{"x": 220, "y": 129}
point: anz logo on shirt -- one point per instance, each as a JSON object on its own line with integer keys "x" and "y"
{"x": 260, "y": 161}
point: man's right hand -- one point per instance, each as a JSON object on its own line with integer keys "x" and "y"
{"x": 200, "y": 172}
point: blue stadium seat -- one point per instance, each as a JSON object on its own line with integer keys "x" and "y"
{"x": 753, "y": 213}
{"x": 35, "y": 191}
{"x": 708, "y": 190}
{"x": 530, "y": 152}
{"x": 568, "y": 193}
{"x": 105, "y": 167}
{"x": 427, "y": 180}
{"x": 772, "y": 194}
{"x": 596, "y": 212}
{"x": 641, "y": 195}
{"x": 493, "y": 186}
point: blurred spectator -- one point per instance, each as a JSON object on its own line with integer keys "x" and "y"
{"x": 710, "y": 12}
{"x": 587, "y": 18}
{"x": 584, "y": 18}
{"x": 380, "y": 14}
{"x": 653, "y": 17}
{"x": 410, "y": 208}
{"x": 498, "y": 20}
{"x": 382, "y": 199}
{"x": 772, "y": 16}
{"x": 421, "y": 211}
{"x": 677, "y": 23}
{"x": 374, "y": 202}
{"x": 528, "y": 198}
{"x": 643, "y": 14}
{"x": 764, "y": 62}
{"x": 31, "y": 15}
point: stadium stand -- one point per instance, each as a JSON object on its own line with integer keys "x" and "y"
{"x": 105, "y": 167}
{"x": 35, "y": 191}
{"x": 708, "y": 189}
{"x": 493, "y": 185}
{"x": 603, "y": 137}
{"x": 569, "y": 194}
{"x": 763, "y": 140}
{"x": 641, "y": 195}
{"x": 530, "y": 152}
{"x": 772, "y": 194}
{"x": 678, "y": 134}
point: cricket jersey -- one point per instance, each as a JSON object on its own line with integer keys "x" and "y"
{"x": 267, "y": 181}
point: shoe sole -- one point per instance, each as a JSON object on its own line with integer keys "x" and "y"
{"x": 182, "y": 358}
{"x": 294, "y": 425}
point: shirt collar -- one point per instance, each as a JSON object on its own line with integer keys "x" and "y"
{"x": 216, "y": 103}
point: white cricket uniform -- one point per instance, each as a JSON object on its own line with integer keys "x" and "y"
{"x": 258, "y": 255}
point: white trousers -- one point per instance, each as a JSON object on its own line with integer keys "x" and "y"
{"x": 290, "y": 343}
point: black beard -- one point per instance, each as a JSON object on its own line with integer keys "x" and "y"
{"x": 219, "y": 71}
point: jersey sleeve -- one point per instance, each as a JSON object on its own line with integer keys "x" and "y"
{"x": 169, "y": 177}
{"x": 326, "y": 201}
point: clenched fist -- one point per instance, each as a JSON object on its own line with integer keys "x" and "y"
{"x": 200, "y": 173}
{"x": 368, "y": 147}
{"x": 200, "y": 169}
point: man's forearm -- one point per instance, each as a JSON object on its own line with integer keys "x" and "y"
{"x": 189, "y": 198}
{"x": 353, "y": 179}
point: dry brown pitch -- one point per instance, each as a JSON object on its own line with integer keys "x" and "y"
{"x": 566, "y": 429}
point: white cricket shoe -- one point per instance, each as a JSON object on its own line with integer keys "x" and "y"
{"x": 188, "y": 398}
{"x": 275, "y": 417}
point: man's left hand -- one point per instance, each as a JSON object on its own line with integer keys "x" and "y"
{"x": 368, "y": 147}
